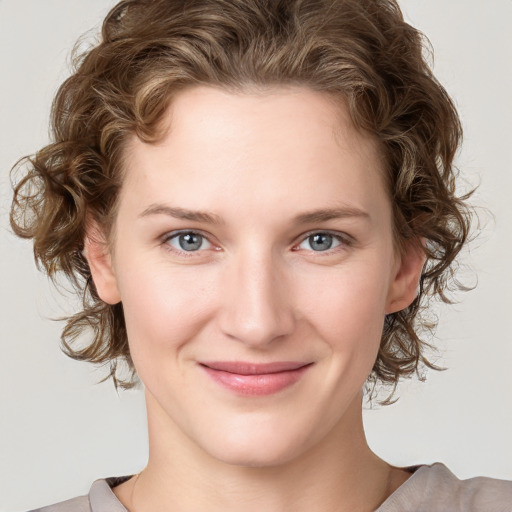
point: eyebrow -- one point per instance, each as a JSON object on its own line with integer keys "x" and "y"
{"x": 182, "y": 213}
{"x": 321, "y": 215}
{"x": 329, "y": 214}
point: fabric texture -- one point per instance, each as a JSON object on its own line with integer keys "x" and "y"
{"x": 436, "y": 489}
{"x": 431, "y": 488}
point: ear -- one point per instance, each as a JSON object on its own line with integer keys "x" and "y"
{"x": 99, "y": 258}
{"x": 404, "y": 287}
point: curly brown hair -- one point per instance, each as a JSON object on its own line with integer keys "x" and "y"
{"x": 359, "y": 50}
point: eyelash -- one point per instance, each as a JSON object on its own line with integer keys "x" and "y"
{"x": 344, "y": 240}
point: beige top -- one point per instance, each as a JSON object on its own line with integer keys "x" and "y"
{"x": 430, "y": 489}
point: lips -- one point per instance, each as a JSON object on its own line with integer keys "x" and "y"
{"x": 243, "y": 368}
{"x": 255, "y": 379}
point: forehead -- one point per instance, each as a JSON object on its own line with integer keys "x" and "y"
{"x": 258, "y": 147}
{"x": 285, "y": 112}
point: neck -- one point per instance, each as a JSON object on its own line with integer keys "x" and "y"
{"x": 340, "y": 473}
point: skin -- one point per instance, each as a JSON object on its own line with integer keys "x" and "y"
{"x": 255, "y": 290}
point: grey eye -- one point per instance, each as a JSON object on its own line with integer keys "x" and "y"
{"x": 320, "y": 242}
{"x": 189, "y": 241}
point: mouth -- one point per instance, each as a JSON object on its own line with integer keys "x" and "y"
{"x": 255, "y": 379}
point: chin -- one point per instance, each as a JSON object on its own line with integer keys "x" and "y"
{"x": 256, "y": 457}
{"x": 258, "y": 449}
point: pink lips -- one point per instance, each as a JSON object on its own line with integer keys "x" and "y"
{"x": 255, "y": 379}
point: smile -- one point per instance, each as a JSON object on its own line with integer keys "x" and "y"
{"x": 255, "y": 379}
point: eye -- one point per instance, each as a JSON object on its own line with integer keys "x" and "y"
{"x": 321, "y": 242}
{"x": 188, "y": 241}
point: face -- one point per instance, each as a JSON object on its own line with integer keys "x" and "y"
{"x": 254, "y": 258}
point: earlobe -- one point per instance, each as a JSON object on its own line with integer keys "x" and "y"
{"x": 404, "y": 288}
{"x": 98, "y": 256}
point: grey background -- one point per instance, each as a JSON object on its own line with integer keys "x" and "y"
{"x": 59, "y": 430}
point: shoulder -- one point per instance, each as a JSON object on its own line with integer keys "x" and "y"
{"x": 436, "y": 488}
{"x": 80, "y": 504}
{"x": 479, "y": 493}
{"x": 99, "y": 499}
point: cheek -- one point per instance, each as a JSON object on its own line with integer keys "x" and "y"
{"x": 348, "y": 311}
{"x": 164, "y": 308}
{"x": 351, "y": 295}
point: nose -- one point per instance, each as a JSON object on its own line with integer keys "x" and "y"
{"x": 257, "y": 305}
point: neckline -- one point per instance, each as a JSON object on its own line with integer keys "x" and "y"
{"x": 104, "y": 487}
{"x": 416, "y": 471}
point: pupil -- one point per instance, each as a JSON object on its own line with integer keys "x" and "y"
{"x": 321, "y": 242}
{"x": 190, "y": 241}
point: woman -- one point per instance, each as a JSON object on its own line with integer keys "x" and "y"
{"x": 257, "y": 199}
